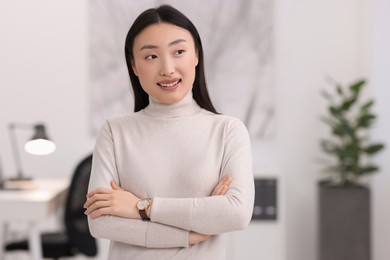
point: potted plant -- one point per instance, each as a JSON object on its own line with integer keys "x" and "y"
{"x": 344, "y": 199}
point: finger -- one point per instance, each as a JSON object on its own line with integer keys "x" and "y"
{"x": 228, "y": 177}
{"x": 222, "y": 187}
{"x": 224, "y": 190}
{"x": 100, "y": 212}
{"x": 96, "y": 197}
{"x": 221, "y": 191}
{"x": 224, "y": 178}
{"x": 225, "y": 181}
{"x": 97, "y": 205}
{"x": 115, "y": 186}
{"x": 99, "y": 190}
{"x": 229, "y": 180}
{"x": 217, "y": 190}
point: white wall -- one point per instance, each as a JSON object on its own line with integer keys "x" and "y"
{"x": 381, "y": 90}
{"x": 315, "y": 39}
{"x": 44, "y": 77}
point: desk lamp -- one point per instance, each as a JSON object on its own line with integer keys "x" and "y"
{"x": 39, "y": 144}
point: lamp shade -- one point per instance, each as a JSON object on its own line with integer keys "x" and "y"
{"x": 40, "y": 144}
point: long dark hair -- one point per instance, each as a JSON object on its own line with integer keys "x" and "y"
{"x": 167, "y": 14}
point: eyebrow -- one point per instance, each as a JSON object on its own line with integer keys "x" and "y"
{"x": 149, "y": 46}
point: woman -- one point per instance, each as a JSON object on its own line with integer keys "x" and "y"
{"x": 169, "y": 179}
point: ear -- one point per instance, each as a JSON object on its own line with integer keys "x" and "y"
{"x": 196, "y": 58}
{"x": 134, "y": 68}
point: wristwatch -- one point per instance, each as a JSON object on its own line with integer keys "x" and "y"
{"x": 142, "y": 206}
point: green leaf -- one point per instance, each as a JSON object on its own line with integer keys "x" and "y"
{"x": 328, "y": 146}
{"x": 340, "y": 131}
{"x": 357, "y": 86}
{"x": 348, "y": 145}
{"x": 325, "y": 182}
{"x": 326, "y": 95}
{"x": 343, "y": 129}
{"x": 368, "y": 169}
{"x": 339, "y": 90}
{"x": 374, "y": 148}
{"x": 334, "y": 111}
{"x": 332, "y": 169}
{"x": 348, "y": 103}
{"x": 332, "y": 82}
{"x": 328, "y": 120}
{"x": 366, "y": 106}
{"x": 365, "y": 120}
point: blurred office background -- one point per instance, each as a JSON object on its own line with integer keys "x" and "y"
{"x": 45, "y": 77}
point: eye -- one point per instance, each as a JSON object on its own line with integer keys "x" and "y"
{"x": 179, "y": 52}
{"x": 151, "y": 57}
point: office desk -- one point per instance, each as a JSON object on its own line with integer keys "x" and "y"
{"x": 32, "y": 206}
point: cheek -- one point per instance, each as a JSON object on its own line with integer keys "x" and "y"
{"x": 193, "y": 61}
{"x": 190, "y": 68}
{"x": 144, "y": 71}
{"x": 145, "y": 77}
{"x": 190, "y": 65}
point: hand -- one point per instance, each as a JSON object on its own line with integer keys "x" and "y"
{"x": 115, "y": 202}
{"x": 219, "y": 190}
{"x": 194, "y": 238}
{"x": 222, "y": 186}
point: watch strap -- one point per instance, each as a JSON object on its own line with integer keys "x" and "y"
{"x": 143, "y": 215}
{"x": 142, "y": 210}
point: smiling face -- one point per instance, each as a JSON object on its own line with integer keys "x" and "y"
{"x": 164, "y": 62}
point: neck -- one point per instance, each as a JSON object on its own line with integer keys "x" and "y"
{"x": 185, "y": 107}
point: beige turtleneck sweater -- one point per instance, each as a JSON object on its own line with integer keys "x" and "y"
{"x": 174, "y": 154}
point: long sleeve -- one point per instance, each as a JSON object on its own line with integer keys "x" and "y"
{"x": 219, "y": 214}
{"x": 135, "y": 232}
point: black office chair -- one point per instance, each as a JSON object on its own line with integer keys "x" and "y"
{"x": 75, "y": 239}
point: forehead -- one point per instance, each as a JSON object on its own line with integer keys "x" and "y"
{"x": 162, "y": 34}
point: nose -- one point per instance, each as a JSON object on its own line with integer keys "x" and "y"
{"x": 167, "y": 67}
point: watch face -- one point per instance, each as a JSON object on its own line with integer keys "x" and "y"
{"x": 142, "y": 204}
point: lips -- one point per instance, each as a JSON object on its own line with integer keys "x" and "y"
{"x": 169, "y": 83}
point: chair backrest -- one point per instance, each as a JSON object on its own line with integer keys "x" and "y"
{"x": 76, "y": 222}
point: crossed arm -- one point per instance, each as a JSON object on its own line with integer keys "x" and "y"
{"x": 115, "y": 201}
{"x": 113, "y": 215}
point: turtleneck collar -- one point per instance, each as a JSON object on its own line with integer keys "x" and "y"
{"x": 185, "y": 107}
